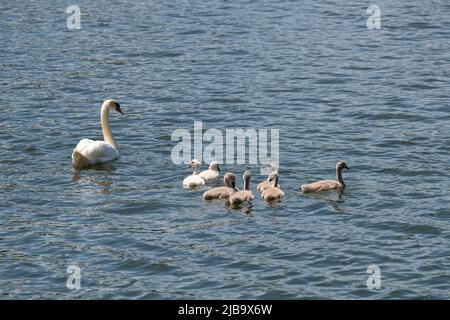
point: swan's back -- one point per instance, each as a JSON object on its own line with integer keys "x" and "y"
{"x": 323, "y": 185}
{"x": 218, "y": 193}
{"x": 272, "y": 193}
{"x": 193, "y": 181}
{"x": 89, "y": 152}
{"x": 265, "y": 185}
{"x": 209, "y": 175}
{"x": 212, "y": 173}
{"x": 241, "y": 196}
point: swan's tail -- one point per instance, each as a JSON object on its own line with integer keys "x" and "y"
{"x": 193, "y": 185}
{"x": 79, "y": 161}
{"x": 308, "y": 188}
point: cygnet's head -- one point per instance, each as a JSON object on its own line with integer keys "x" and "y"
{"x": 274, "y": 178}
{"x": 214, "y": 166}
{"x": 195, "y": 164}
{"x": 230, "y": 180}
{"x": 112, "y": 105}
{"x": 271, "y": 176}
{"x": 246, "y": 178}
{"x": 341, "y": 165}
{"x": 270, "y": 167}
{"x": 246, "y": 175}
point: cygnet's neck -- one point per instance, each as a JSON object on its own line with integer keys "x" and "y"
{"x": 229, "y": 183}
{"x": 275, "y": 182}
{"x": 339, "y": 176}
{"x": 247, "y": 183}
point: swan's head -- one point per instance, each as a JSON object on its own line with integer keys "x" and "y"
{"x": 112, "y": 105}
{"x": 341, "y": 165}
{"x": 214, "y": 166}
{"x": 230, "y": 180}
{"x": 195, "y": 164}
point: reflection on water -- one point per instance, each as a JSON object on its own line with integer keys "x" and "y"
{"x": 246, "y": 208}
{"x": 101, "y": 175}
{"x": 274, "y": 203}
{"x": 333, "y": 197}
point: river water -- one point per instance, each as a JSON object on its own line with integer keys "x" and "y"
{"x": 378, "y": 99}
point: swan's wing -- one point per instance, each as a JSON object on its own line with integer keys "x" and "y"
{"x": 193, "y": 181}
{"x": 263, "y": 186}
{"x": 218, "y": 193}
{"x": 318, "y": 186}
{"x": 204, "y": 174}
{"x": 96, "y": 151}
{"x": 209, "y": 175}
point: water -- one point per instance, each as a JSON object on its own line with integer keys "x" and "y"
{"x": 378, "y": 99}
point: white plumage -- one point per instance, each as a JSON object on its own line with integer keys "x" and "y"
{"x": 194, "y": 180}
{"x": 212, "y": 173}
{"x": 89, "y": 152}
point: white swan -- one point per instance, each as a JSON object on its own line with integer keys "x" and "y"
{"x": 194, "y": 180}
{"x": 89, "y": 152}
{"x": 212, "y": 173}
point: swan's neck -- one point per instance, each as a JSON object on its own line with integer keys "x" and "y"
{"x": 107, "y": 135}
{"x": 339, "y": 177}
{"x": 196, "y": 171}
